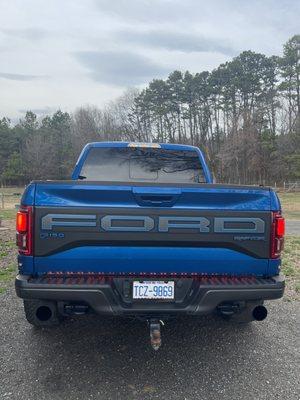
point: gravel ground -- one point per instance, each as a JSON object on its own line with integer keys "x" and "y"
{"x": 92, "y": 358}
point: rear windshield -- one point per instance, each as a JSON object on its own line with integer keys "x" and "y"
{"x": 129, "y": 164}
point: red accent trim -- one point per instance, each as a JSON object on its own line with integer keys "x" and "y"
{"x": 79, "y": 278}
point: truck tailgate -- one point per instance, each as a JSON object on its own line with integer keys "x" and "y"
{"x": 121, "y": 228}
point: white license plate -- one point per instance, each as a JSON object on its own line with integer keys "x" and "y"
{"x": 153, "y": 290}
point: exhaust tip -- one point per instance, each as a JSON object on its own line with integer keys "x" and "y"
{"x": 259, "y": 313}
{"x": 43, "y": 313}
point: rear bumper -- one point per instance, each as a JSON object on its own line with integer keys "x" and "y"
{"x": 112, "y": 296}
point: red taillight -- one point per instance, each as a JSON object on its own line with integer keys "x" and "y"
{"x": 21, "y": 221}
{"x": 277, "y": 233}
{"x": 280, "y": 226}
{"x": 24, "y": 230}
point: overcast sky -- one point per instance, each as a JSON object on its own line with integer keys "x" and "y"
{"x": 67, "y": 53}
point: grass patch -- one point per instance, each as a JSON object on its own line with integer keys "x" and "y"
{"x": 5, "y": 248}
{"x": 7, "y": 275}
{"x": 8, "y": 263}
{"x": 291, "y": 265}
{"x": 291, "y": 256}
{"x": 10, "y": 197}
{"x": 8, "y": 214}
{"x": 290, "y": 203}
{"x": 12, "y": 190}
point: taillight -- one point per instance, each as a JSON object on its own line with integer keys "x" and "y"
{"x": 277, "y": 234}
{"x": 24, "y": 227}
{"x": 280, "y": 226}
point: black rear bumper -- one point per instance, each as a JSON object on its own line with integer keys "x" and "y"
{"x": 113, "y": 295}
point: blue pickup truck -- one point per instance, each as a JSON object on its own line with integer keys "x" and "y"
{"x": 142, "y": 231}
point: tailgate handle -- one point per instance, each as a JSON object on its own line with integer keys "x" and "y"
{"x": 156, "y": 198}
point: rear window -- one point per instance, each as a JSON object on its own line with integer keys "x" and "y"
{"x": 128, "y": 164}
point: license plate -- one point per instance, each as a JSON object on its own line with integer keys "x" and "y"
{"x": 153, "y": 290}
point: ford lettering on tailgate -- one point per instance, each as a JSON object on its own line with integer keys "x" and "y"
{"x": 141, "y": 223}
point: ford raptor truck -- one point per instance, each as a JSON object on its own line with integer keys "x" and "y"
{"x": 142, "y": 231}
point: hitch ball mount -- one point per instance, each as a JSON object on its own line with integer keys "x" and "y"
{"x": 155, "y": 334}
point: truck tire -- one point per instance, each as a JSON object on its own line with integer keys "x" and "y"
{"x": 41, "y": 313}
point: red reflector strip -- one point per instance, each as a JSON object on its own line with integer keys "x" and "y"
{"x": 22, "y": 221}
{"x": 81, "y": 278}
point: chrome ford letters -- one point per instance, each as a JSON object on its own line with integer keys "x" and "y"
{"x": 141, "y": 223}
{"x": 258, "y": 225}
{"x": 107, "y": 223}
{"x": 199, "y": 223}
{"x": 51, "y": 220}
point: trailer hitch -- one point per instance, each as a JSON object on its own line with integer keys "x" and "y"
{"x": 155, "y": 335}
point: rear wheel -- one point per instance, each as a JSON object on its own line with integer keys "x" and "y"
{"x": 41, "y": 313}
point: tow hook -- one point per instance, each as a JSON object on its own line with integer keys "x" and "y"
{"x": 155, "y": 336}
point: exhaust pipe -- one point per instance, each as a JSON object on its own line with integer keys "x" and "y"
{"x": 43, "y": 313}
{"x": 259, "y": 313}
{"x": 251, "y": 312}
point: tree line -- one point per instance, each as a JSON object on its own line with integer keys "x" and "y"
{"x": 245, "y": 115}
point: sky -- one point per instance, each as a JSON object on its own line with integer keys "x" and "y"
{"x": 63, "y": 54}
